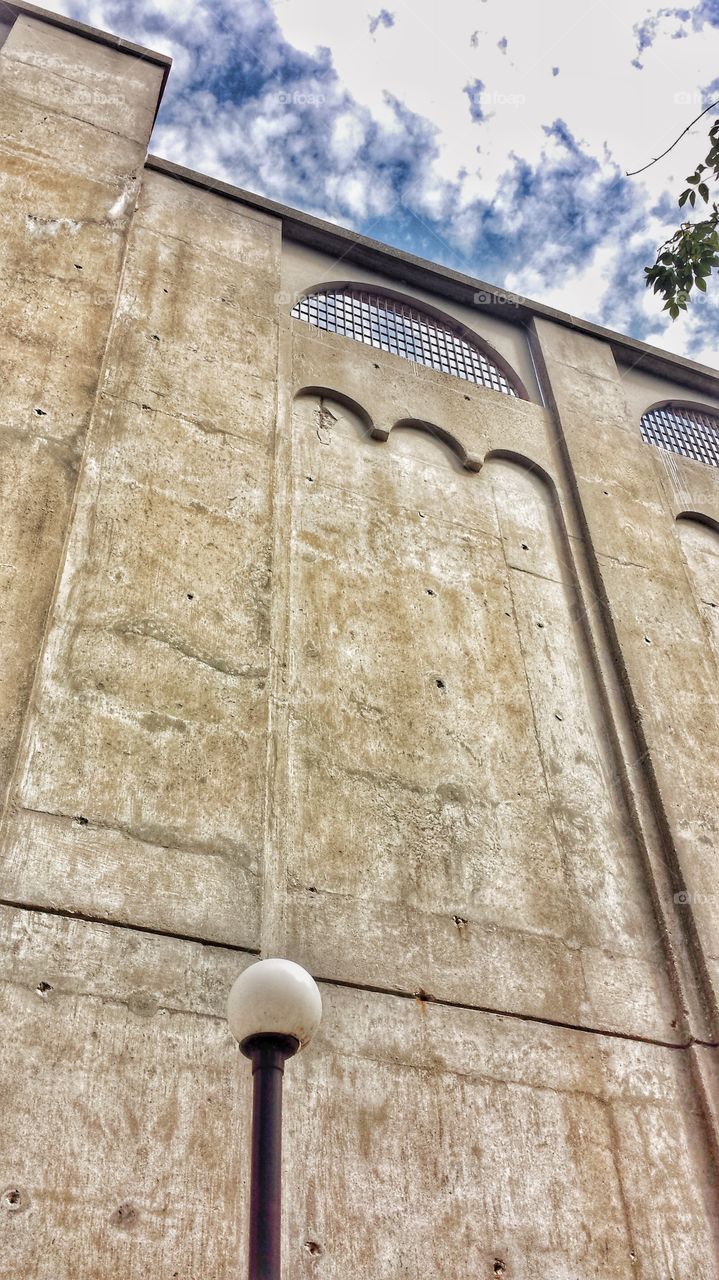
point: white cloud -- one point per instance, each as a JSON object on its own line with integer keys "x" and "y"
{"x": 357, "y": 117}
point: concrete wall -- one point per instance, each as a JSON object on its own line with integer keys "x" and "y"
{"x": 429, "y": 709}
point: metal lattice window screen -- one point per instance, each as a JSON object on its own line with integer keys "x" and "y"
{"x": 402, "y": 330}
{"x": 690, "y": 432}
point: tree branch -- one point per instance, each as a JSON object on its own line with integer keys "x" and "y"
{"x": 634, "y": 172}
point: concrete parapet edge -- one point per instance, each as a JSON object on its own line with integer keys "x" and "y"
{"x": 421, "y": 273}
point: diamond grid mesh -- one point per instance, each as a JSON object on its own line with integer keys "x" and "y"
{"x": 690, "y": 432}
{"x": 402, "y": 330}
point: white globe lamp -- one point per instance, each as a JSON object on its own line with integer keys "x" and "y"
{"x": 273, "y": 1010}
{"x": 276, "y": 998}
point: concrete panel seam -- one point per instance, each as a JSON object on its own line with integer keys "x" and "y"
{"x": 64, "y": 115}
{"x": 420, "y": 997}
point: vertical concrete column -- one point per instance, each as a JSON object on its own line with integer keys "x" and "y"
{"x": 77, "y": 115}
{"x": 660, "y": 649}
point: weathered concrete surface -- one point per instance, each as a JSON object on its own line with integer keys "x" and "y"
{"x": 644, "y": 390}
{"x": 700, "y": 545}
{"x": 108, "y": 88}
{"x": 419, "y": 1140}
{"x": 666, "y": 654}
{"x": 157, "y": 659}
{"x": 344, "y": 659}
{"x": 497, "y": 868}
{"x": 66, "y": 192}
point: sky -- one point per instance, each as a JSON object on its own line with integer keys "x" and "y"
{"x": 492, "y": 136}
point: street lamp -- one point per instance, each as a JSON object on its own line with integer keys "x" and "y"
{"x": 274, "y": 1009}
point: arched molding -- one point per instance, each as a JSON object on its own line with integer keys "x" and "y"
{"x": 331, "y": 393}
{"x": 533, "y": 469}
{"x": 674, "y": 403}
{"x": 526, "y": 464}
{"x": 450, "y": 322}
{"x": 470, "y": 461}
{"x": 698, "y": 517}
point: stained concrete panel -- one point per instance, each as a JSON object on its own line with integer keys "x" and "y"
{"x": 37, "y": 479}
{"x": 101, "y": 86}
{"x": 418, "y": 1139}
{"x": 700, "y": 547}
{"x": 647, "y": 598}
{"x": 157, "y": 660}
{"x": 357, "y": 701}
{"x": 429, "y": 605}
{"x": 196, "y": 329}
{"x": 64, "y": 219}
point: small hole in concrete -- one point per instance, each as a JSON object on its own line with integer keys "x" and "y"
{"x": 311, "y": 888}
{"x": 42, "y": 988}
{"x": 440, "y": 684}
{"x": 421, "y": 515}
{"x": 78, "y": 267}
{"x": 507, "y": 614}
{"x": 673, "y": 1023}
{"x": 557, "y": 716}
{"x": 461, "y": 922}
{"x": 12, "y": 1198}
{"x": 647, "y": 640}
{"x": 310, "y": 478}
{"x": 41, "y": 413}
{"x": 313, "y": 1247}
{"x": 125, "y": 1216}
{"x": 540, "y": 624}
{"x": 190, "y": 596}
{"x": 430, "y": 592}
{"x": 498, "y": 1267}
{"x": 606, "y": 493}
{"x": 147, "y": 406}
{"x": 468, "y": 397}
{"x": 376, "y": 366}
{"x": 82, "y": 822}
{"x": 525, "y": 547}
{"x": 155, "y": 337}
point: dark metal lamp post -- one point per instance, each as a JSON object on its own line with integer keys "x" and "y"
{"x": 274, "y": 1009}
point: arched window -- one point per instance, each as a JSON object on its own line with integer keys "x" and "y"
{"x": 694, "y": 433}
{"x": 404, "y": 330}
